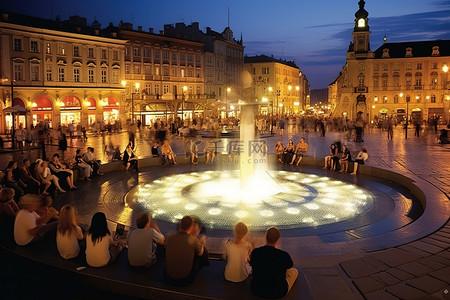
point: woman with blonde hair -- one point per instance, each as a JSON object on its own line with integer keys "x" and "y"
{"x": 68, "y": 233}
{"x": 237, "y": 254}
{"x": 44, "y": 175}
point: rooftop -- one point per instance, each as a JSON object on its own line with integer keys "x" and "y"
{"x": 419, "y": 49}
{"x": 265, "y": 59}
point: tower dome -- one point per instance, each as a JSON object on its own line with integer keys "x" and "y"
{"x": 361, "y": 19}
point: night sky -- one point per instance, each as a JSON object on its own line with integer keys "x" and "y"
{"x": 315, "y": 34}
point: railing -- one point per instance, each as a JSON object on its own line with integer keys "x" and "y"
{"x": 361, "y": 89}
{"x": 418, "y": 87}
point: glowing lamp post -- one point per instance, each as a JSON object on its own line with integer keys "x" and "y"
{"x": 226, "y": 102}
{"x": 182, "y": 103}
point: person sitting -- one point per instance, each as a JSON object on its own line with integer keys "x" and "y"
{"x": 279, "y": 150}
{"x": 90, "y": 159}
{"x": 68, "y": 233}
{"x": 443, "y": 137}
{"x": 143, "y": 241}
{"x": 329, "y": 160}
{"x": 84, "y": 168}
{"x": 192, "y": 151}
{"x": 272, "y": 268}
{"x": 44, "y": 176}
{"x": 167, "y": 152}
{"x": 8, "y": 206}
{"x": 185, "y": 253}
{"x": 360, "y": 159}
{"x": 155, "y": 152}
{"x": 288, "y": 153}
{"x": 101, "y": 250}
{"x": 345, "y": 158}
{"x": 31, "y": 184}
{"x": 29, "y": 226}
{"x": 130, "y": 159}
{"x": 300, "y": 149}
{"x": 45, "y": 208}
{"x": 11, "y": 180}
{"x": 210, "y": 151}
{"x": 59, "y": 170}
{"x": 237, "y": 254}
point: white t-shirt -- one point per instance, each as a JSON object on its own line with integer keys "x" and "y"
{"x": 141, "y": 250}
{"x": 98, "y": 255}
{"x": 25, "y": 221}
{"x": 238, "y": 255}
{"x": 68, "y": 243}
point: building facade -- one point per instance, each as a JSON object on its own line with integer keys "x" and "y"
{"x": 164, "y": 76}
{"x": 224, "y": 63}
{"x": 407, "y": 79}
{"x": 60, "y": 71}
{"x": 279, "y": 83}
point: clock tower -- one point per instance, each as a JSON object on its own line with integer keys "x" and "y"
{"x": 361, "y": 33}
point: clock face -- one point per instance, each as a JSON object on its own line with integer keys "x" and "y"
{"x": 361, "y": 23}
{"x": 360, "y": 41}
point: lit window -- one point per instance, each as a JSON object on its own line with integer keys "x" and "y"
{"x": 61, "y": 50}
{"x": 91, "y": 74}
{"x": 34, "y": 72}
{"x": 48, "y": 49}
{"x": 136, "y": 52}
{"x": 76, "y": 74}
{"x": 361, "y": 23}
{"x": 49, "y": 73}
{"x": 104, "y": 75}
{"x": 61, "y": 74}
{"x": 34, "y": 46}
{"x": 18, "y": 72}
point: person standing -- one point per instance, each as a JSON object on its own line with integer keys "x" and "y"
{"x": 272, "y": 268}
{"x": 417, "y": 127}
{"x": 20, "y": 137}
{"x": 390, "y": 129}
{"x": 132, "y": 128}
{"x": 281, "y": 124}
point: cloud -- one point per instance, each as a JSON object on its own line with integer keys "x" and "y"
{"x": 442, "y": 3}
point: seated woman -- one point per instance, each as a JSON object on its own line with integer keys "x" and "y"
{"x": 130, "y": 159}
{"x": 345, "y": 158}
{"x": 279, "y": 150}
{"x": 84, "y": 168}
{"x": 31, "y": 183}
{"x": 7, "y": 204}
{"x": 289, "y": 152}
{"x": 11, "y": 182}
{"x": 60, "y": 170}
{"x": 101, "y": 250}
{"x": 329, "y": 160}
{"x": 68, "y": 233}
{"x": 166, "y": 150}
{"x": 360, "y": 159}
{"x": 43, "y": 174}
{"x": 237, "y": 255}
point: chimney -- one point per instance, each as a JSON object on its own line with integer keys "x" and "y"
{"x": 139, "y": 28}
{"x": 161, "y": 32}
{"x": 150, "y": 30}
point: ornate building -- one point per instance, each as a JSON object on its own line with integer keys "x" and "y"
{"x": 224, "y": 62}
{"x": 62, "y": 71}
{"x": 398, "y": 79}
{"x": 279, "y": 83}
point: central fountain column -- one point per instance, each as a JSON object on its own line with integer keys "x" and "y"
{"x": 247, "y": 137}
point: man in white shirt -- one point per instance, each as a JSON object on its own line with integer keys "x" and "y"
{"x": 141, "y": 242}
{"x": 28, "y": 226}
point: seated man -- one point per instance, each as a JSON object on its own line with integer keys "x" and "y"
{"x": 28, "y": 226}
{"x": 141, "y": 242}
{"x": 185, "y": 253}
{"x": 90, "y": 159}
{"x": 301, "y": 148}
{"x": 273, "y": 274}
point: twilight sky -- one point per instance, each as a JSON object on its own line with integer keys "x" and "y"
{"x": 315, "y": 34}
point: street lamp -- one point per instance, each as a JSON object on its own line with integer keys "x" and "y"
{"x": 271, "y": 118}
{"x": 137, "y": 85}
{"x": 182, "y": 103}
{"x": 226, "y": 102}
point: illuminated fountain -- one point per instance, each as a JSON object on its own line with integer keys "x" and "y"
{"x": 253, "y": 194}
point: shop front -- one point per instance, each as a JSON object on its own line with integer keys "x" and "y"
{"x": 70, "y": 109}
{"x": 110, "y": 110}
{"x": 42, "y": 110}
{"x": 401, "y": 115}
{"x": 92, "y": 109}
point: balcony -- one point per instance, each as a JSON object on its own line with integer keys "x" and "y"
{"x": 361, "y": 89}
{"x": 418, "y": 87}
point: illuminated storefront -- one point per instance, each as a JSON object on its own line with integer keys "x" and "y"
{"x": 110, "y": 109}
{"x": 92, "y": 108}
{"x": 70, "y": 108}
{"x": 42, "y": 110}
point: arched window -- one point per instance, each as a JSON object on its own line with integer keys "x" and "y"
{"x": 361, "y": 80}
{"x": 408, "y": 79}
{"x": 418, "y": 77}
{"x": 433, "y": 98}
{"x": 434, "y": 79}
{"x": 396, "y": 78}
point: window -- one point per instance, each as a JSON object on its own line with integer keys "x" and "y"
{"x": 174, "y": 57}
{"x": 157, "y": 71}
{"x": 265, "y": 70}
{"x": 408, "y": 98}
{"x": 76, "y": 51}
{"x": 157, "y": 89}
{"x": 18, "y": 72}
{"x": 361, "y": 67}
{"x": 91, "y": 74}
{"x": 146, "y": 52}
{"x": 76, "y": 74}
{"x": 408, "y": 66}
{"x": 418, "y": 76}
{"x": 148, "y": 88}
{"x": 61, "y": 49}
{"x": 361, "y": 80}
{"x": 49, "y": 73}
{"x": 419, "y": 66}
{"x": 147, "y": 70}
{"x": 127, "y": 51}
{"x": 91, "y": 52}
{"x": 17, "y": 44}
{"x": 190, "y": 73}
{"x": 434, "y": 66}
{"x": 104, "y": 77}
{"x": 434, "y": 79}
{"x": 174, "y": 72}
{"x": 418, "y": 99}
{"x": 190, "y": 58}
{"x": 385, "y": 99}
{"x": 433, "y": 98}
{"x": 115, "y": 76}
{"x": 166, "y": 71}
{"x": 165, "y": 55}
{"x": 34, "y": 46}
{"x": 396, "y": 67}
{"x": 157, "y": 56}
{"x": 375, "y": 68}
{"x": 385, "y": 80}
{"x": 127, "y": 69}
{"x": 198, "y": 90}
{"x": 34, "y": 72}
{"x": 48, "y": 49}
{"x": 137, "y": 69}
{"x": 385, "y": 67}
{"x": 61, "y": 74}
{"x": 182, "y": 57}
{"x": 396, "y": 99}
{"x": 116, "y": 55}
{"x": 183, "y": 73}
{"x": 165, "y": 89}
{"x": 396, "y": 79}
{"x": 136, "y": 52}
{"x": 103, "y": 53}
